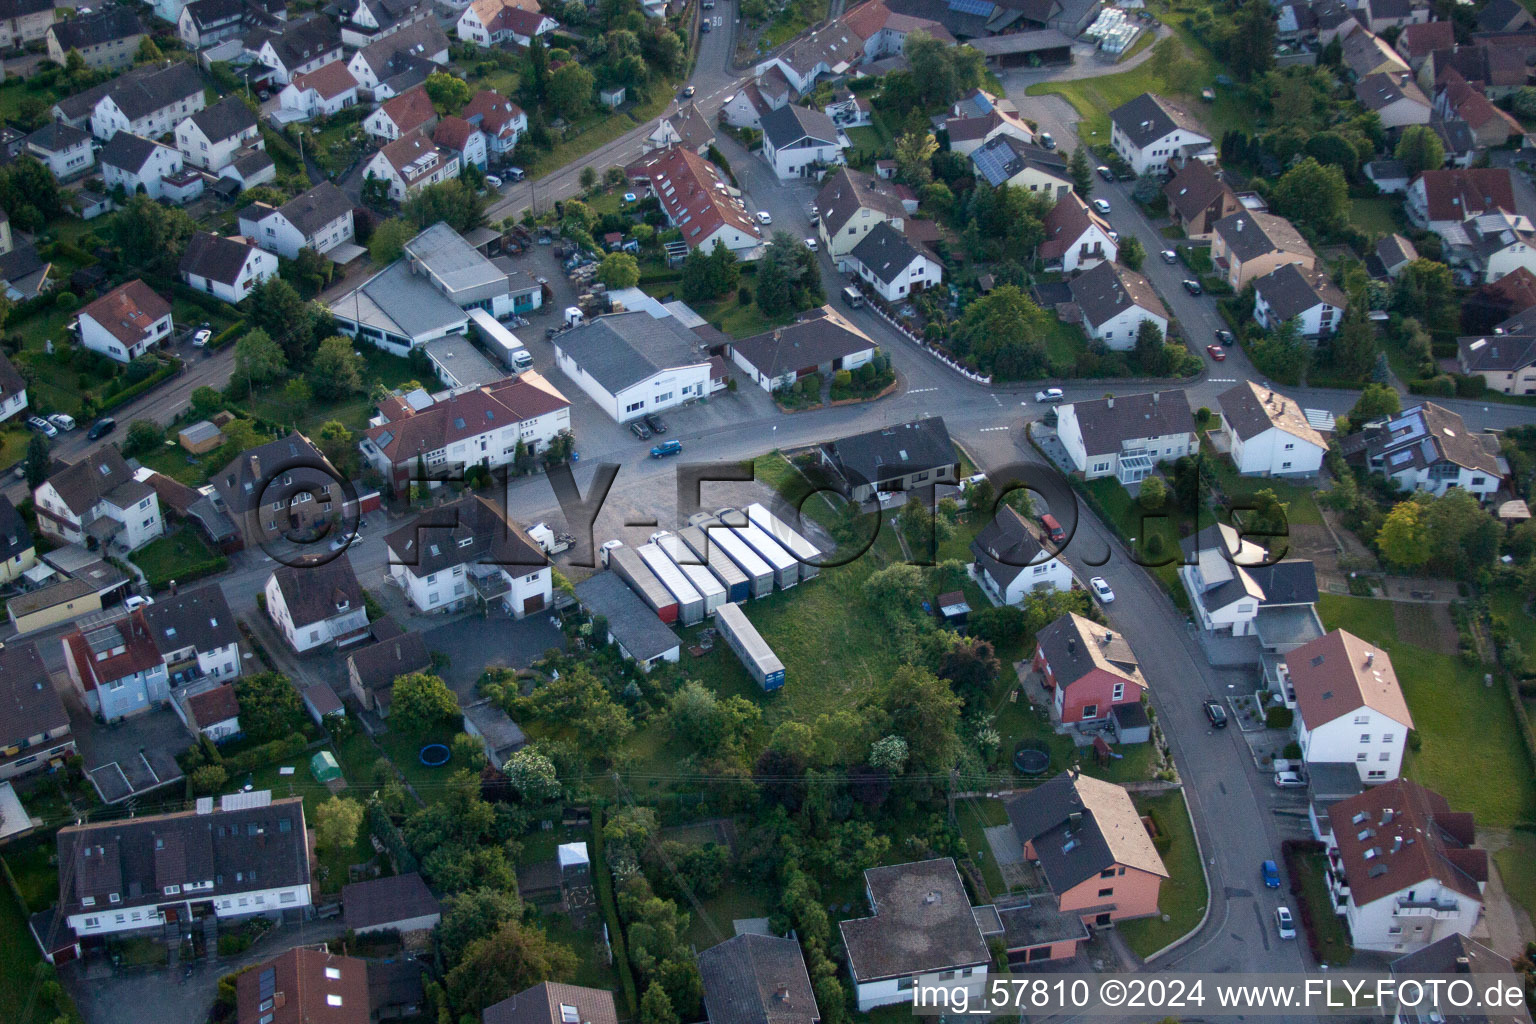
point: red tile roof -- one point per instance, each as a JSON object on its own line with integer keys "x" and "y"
{"x": 1412, "y": 836}
{"x": 453, "y": 132}
{"x": 128, "y": 310}
{"x": 500, "y": 15}
{"x": 410, "y": 110}
{"x": 1420, "y": 40}
{"x": 407, "y": 150}
{"x": 1458, "y": 193}
{"x": 1337, "y": 674}
{"x": 494, "y": 110}
{"x": 138, "y": 653}
{"x": 328, "y": 81}
{"x": 1065, "y": 224}
{"x": 308, "y": 986}
{"x": 410, "y": 432}
{"x": 1469, "y": 104}
{"x": 692, "y": 192}
{"x": 213, "y": 706}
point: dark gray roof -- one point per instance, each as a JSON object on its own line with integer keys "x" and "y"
{"x": 20, "y": 264}
{"x": 1455, "y": 134}
{"x": 302, "y": 41}
{"x": 128, "y": 151}
{"x": 469, "y": 531}
{"x": 21, "y": 8}
{"x": 1394, "y": 250}
{"x": 1149, "y": 117}
{"x": 1497, "y": 352}
{"x": 922, "y": 922}
{"x": 237, "y": 850}
{"x": 1003, "y": 157}
{"x": 1107, "y": 423}
{"x": 886, "y": 253}
{"x": 225, "y": 119}
{"x": 314, "y": 593}
{"x": 757, "y": 979}
{"x": 379, "y": 664}
{"x": 623, "y": 349}
{"x": 29, "y": 705}
{"x": 1421, "y": 436}
{"x": 819, "y": 337}
{"x": 1075, "y": 646}
{"x": 789, "y": 124}
{"x": 57, "y": 136}
{"x": 383, "y": 901}
{"x": 1498, "y": 15}
{"x": 893, "y": 452}
{"x": 1291, "y": 581}
{"x": 1290, "y": 291}
{"x": 208, "y": 13}
{"x": 139, "y": 91}
{"x": 15, "y": 538}
{"x": 198, "y": 618}
{"x": 541, "y": 1005}
{"x": 104, "y": 26}
{"x": 1038, "y": 922}
{"x": 242, "y": 483}
{"x": 96, "y": 477}
{"x": 1249, "y": 233}
{"x": 1070, "y": 852}
{"x": 1006, "y": 546}
{"x": 213, "y": 256}
{"x": 631, "y": 622}
{"x": 11, "y": 380}
{"x": 847, "y": 191}
{"x": 389, "y": 12}
{"x": 1458, "y": 954}
{"x": 1109, "y": 289}
{"x": 1386, "y": 169}
{"x": 401, "y": 50}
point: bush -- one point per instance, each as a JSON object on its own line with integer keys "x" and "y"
{"x": 1292, "y": 751}
{"x": 1441, "y": 385}
{"x": 744, "y": 296}
{"x": 66, "y": 301}
{"x": 1279, "y": 717}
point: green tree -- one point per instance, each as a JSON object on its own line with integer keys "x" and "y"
{"x": 889, "y": 753}
{"x": 932, "y": 66}
{"x": 1082, "y": 177}
{"x": 788, "y": 277}
{"x": 337, "y": 822}
{"x": 38, "y": 460}
{"x": 337, "y": 370}
{"x": 1420, "y": 149}
{"x": 970, "y": 667}
{"x": 448, "y": 93}
{"x": 1404, "y": 538}
{"x": 259, "y": 359}
{"x": 1150, "y": 354}
{"x": 1153, "y": 494}
{"x": 1376, "y": 401}
{"x": 1132, "y": 255}
{"x": 338, "y": 445}
{"x": 470, "y": 915}
{"x": 656, "y": 1006}
{"x": 1251, "y": 51}
{"x": 588, "y": 178}
{"x": 151, "y": 236}
{"x": 1425, "y": 290}
{"x": 532, "y": 776}
{"x": 148, "y": 52}
{"x": 709, "y": 276}
{"x": 1282, "y": 354}
{"x": 453, "y": 202}
{"x": 914, "y": 150}
{"x": 1464, "y": 536}
{"x": 924, "y": 711}
{"x": 514, "y": 957}
{"x": 388, "y": 240}
{"x": 1353, "y": 350}
{"x": 570, "y": 91}
{"x": 270, "y": 708}
{"x": 1311, "y": 192}
{"x": 422, "y": 702}
{"x": 619, "y": 270}
{"x": 1003, "y": 333}
{"x": 275, "y": 307}
{"x": 578, "y": 701}
{"x": 143, "y": 436}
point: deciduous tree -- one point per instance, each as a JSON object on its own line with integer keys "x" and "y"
{"x": 422, "y": 702}
{"x": 1420, "y": 149}
{"x": 1404, "y": 537}
{"x": 514, "y": 957}
{"x": 337, "y": 369}
{"x": 336, "y": 823}
{"x": 259, "y": 359}
{"x": 619, "y": 270}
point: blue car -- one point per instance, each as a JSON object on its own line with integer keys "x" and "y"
{"x": 1271, "y": 875}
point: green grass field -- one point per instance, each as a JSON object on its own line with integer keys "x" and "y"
{"x": 1514, "y": 863}
{"x": 1375, "y": 216}
{"x": 1467, "y": 730}
{"x": 1332, "y": 937}
{"x": 160, "y": 559}
{"x": 1184, "y": 895}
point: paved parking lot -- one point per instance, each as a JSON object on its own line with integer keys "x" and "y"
{"x": 474, "y": 644}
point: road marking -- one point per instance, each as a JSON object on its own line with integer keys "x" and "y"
{"x": 1222, "y": 380}
{"x": 985, "y": 430}
{"x": 918, "y": 391}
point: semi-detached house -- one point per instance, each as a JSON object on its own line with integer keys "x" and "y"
{"x": 107, "y": 40}
{"x": 1248, "y": 245}
{"x": 401, "y": 60}
{"x": 850, "y": 205}
{"x": 149, "y": 100}
{"x": 319, "y": 219}
{"x": 1349, "y": 705}
{"x": 409, "y": 112}
{"x": 494, "y": 22}
{"x": 34, "y": 727}
{"x": 502, "y": 121}
{"x": 212, "y": 138}
{"x": 116, "y": 667}
{"x": 143, "y": 167}
{"x": 1429, "y": 448}
{"x": 24, "y": 21}
{"x": 62, "y": 148}
{"x": 98, "y": 497}
{"x": 321, "y": 92}
{"x": 1506, "y": 362}
{"x": 1198, "y": 198}
{"x": 195, "y": 632}
{"x": 279, "y": 489}
{"x": 697, "y": 200}
{"x": 373, "y": 20}
{"x": 1005, "y": 160}
{"x": 1076, "y": 238}
{"x": 1443, "y": 198}
{"x": 1126, "y": 437}
{"x": 466, "y": 552}
{"x": 299, "y": 47}
{"x": 1307, "y": 297}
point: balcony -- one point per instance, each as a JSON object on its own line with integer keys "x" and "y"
{"x": 1434, "y": 909}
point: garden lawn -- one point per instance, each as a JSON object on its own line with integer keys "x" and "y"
{"x": 599, "y": 129}
{"x": 975, "y": 816}
{"x": 792, "y": 19}
{"x": 405, "y": 748}
{"x": 726, "y": 313}
{"x": 1183, "y": 896}
{"x": 734, "y": 901}
{"x": 1376, "y": 216}
{"x": 1302, "y": 508}
{"x": 21, "y": 966}
{"x": 1466, "y": 729}
{"x": 1508, "y": 604}
{"x": 1063, "y": 343}
{"x": 1515, "y": 863}
{"x": 160, "y": 560}
{"x": 867, "y": 139}
{"x": 1327, "y": 927}
{"x": 13, "y": 446}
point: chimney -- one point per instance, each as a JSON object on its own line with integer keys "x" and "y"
{"x": 1239, "y": 225}
{"x": 1157, "y": 398}
{"x": 1074, "y": 819}
{"x": 1370, "y": 658}
{"x": 173, "y": 588}
{"x": 1463, "y": 965}
{"x": 1109, "y": 638}
{"x": 255, "y": 467}
{"x": 1072, "y": 645}
{"x": 782, "y": 995}
{"x": 1397, "y": 843}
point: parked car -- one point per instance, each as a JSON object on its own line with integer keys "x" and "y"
{"x": 656, "y": 423}
{"x": 101, "y": 428}
{"x": 1102, "y": 205}
{"x": 1216, "y": 713}
{"x": 133, "y": 601}
{"x": 1047, "y": 141}
{"x": 764, "y": 217}
{"x": 1192, "y": 286}
{"x": 62, "y": 420}
{"x": 1217, "y": 353}
{"x": 688, "y": 91}
{"x": 1053, "y": 529}
{"x": 640, "y": 430}
{"x": 1101, "y": 589}
{"x": 1169, "y": 256}
{"x": 492, "y": 182}
{"x": 42, "y": 426}
{"x": 202, "y": 337}
{"x": 343, "y": 541}
{"x": 1271, "y": 874}
{"x": 666, "y": 448}
{"x": 1105, "y": 173}
{"x": 812, "y": 244}
{"x": 515, "y": 174}
{"x": 1284, "y": 923}
{"x": 1289, "y": 780}
{"x": 704, "y": 27}
{"x": 1049, "y": 395}
{"x": 1114, "y": 236}
{"x": 1227, "y": 338}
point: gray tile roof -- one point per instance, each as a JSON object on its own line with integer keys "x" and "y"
{"x": 633, "y": 624}
{"x": 1249, "y": 234}
{"x": 194, "y": 618}
{"x": 1107, "y": 423}
{"x": 94, "y": 478}
{"x": 848, "y": 191}
{"x": 469, "y": 531}
{"x": 395, "y": 53}
{"x": 300, "y": 42}
{"x": 1079, "y": 827}
{"x": 314, "y": 593}
{"x": 886, "y": 253}
{"x": 757, "y": 979}
{"x": 921, "y": 922}
{"x": 129, "y": 152}
{"x": 1497, "y": 352}
{"x": 893, "y": 452}
{"x": 57, "y": 137}
{"x": 242, "y": 482}
{"x": 15, "y": 538}
{"x": 1289, "y": 581}
{"x": 1290, "y": 291}
{"x": 104, "y": 26}
{"x": 816, "y": 338}
{"x": 1006, "y": 546}
{"x": 29, "y": 705}
{"x": 213, "y": 256}
{"x": 225, "y": 119}
{"x": 623, "y": 349}
{"x": 1109, "y": 289}
{"x": 139, "y": 92}
{"x": 383, "y": 901}
{"x": 1149, "y": 117}
{"x": 1004, "y": 157}
{"x": 541, "y": 1005}
{"x": 310, "y": 211}
{"x": 789, "y": 124}
{"x": 1250, "y": 410}
{"x": 379, "y": 664}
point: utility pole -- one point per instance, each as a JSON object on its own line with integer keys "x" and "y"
{"x": 954, "y": 784}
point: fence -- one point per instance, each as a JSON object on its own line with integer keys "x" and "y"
{"x": 911, "y": 336}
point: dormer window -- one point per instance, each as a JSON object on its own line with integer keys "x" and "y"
{"x": 466, "y": 542}
{"x": 172, "y": 890}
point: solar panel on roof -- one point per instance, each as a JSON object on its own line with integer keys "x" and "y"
{"x": 1398, "y": 458}
{"x": 991, "y": 163}
{"x": 982, "y": 8}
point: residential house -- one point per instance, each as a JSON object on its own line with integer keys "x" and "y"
{"x": 63, "y": 149}
{"x": 1506, "y": 362}
{"x": 1295, "y": 21}
{"x": 1152, "y": 134}
{"x": 1092, "y": 847}
{"x": 849, "y": 111}
{"x": 1403, "y": 868}
{"x": 1388, "y": 175}
{"x": 1126, "y": 437}
{"x": 502, "y": 121}
{"x": 1006, "y": 160}
{"x": 196, "y": 635}
{"x": 632, "y": 363}
{"x": 1349, "y": 707}
{"x": 246, "y": 856}
{"x": 204, "y": 23}
{"x": 24, "y": 21}
{"x": 25, "y": 275}
{"x": 756, "y": 979}
{"x": 127, "y": 322}
{"x": 460, "y": 554}
{"x": 34, "y": 727}
{"x": 149, "y": 100}
{"x": 116, "y": 667}
{"x": 1267, "y": 433}
{"x": 893, "y": 267}
{"x": 1394, "y": 97}
{"x": 107, "y": 40}
{"x": 553, "y": 1002}
{"x": 1248, "y": 245}
{"x": 884, "y": 31}
{"x": 319, "y": 219}
{"x": 409, "y": 165}
{"x": 697, "y": 200}
{"x": 213, "y": 137}
{"x": 480, "y": 426}
{"x": 1392, "y": 253}
{"x": 398, "y": 903}
{"x": 13, "y": 395}
{"x": 372, "y": 670}
{"x": 831, "y": 50}
{"x": 1428, "y": 448}
{"x": 140, "y": 166}
{"x": 1442, "y": 199}
{"x": 316, "y": 605}
{"x": 320, "y": 93}
{"x": 820, "y": 341}
{"x": 494, "y": 22}
{"x": 1076, "y": 238}
{"x": 746, "y": 108}
{"x": 1490, "y": 246}
{"x": 1381, "y": 15}
{"x": 1453, "y": 954}
{"x": 278, "y": 489}
{"x": 251, "y": 167}
{"x": 1504, "y": 16}
{"x": 1115, "y": 301}
{"x": 849, "y": 205}
{"x": 210, "y": 709}
{"x": 1504, "y": 305}
{"x": 98, "y": 497}
{"x": 1456, "y": 139}
{"x": 1012, "y": 563}
{"x": 18, "y": 552}
{"x": 298, "y": 47}
{"x": 687, "y": 128}
{"x": 1417, "y": 41}
{"x": 305, "y": 985}
{"x": 1094, "y": 678}
{"x": 406, "y": 114}
{"x": 968, "y": 133}
{"x": 1236, "y": 588}
{"x": 458, "y": 137}
{"x": 921, "y": 931}
{"x": 370, "y": 21}
{"x": 1198, "y": 198}
{"x": 902, "y": 457}
{"x": 1366, "y": 54}
{"x": 800, "y": 142}
{"x": 1310, "y": 298}
{"x": 400, "y": 61}
{"x": 1335, "y": 19}
{"x": 1455, "y": 99}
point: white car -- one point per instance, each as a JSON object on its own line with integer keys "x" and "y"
{"x": 42, "y": 426}
{"x": 1114, "y": 236}
{"x": 62, "y": 420}
{"x": 764, "y": 217}
{"x": 810, "y": 243}
{"x": 492, "y": 182}
{"x": 1289, "y": 780}
{"x": 1101, "y": 589}
{"x": 1049, "y": 395}
{"x": 1284, "y": 923}
{"x": 201, "y": 338}
{"x": 1169, "y": 256}
{"x": 341, "y": 542}
{"x": 135, "y": 601}
{"x": 1102, "y": 205}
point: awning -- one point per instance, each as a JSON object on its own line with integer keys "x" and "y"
{"x": 344, "y": 253}
{"x": 39, "y": 572}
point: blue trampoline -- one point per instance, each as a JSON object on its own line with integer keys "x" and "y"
{"x": 434, "y": 755}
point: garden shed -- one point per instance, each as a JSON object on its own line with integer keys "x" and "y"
{"x": 575, "y": 865}
{"x": 324, "y": 768}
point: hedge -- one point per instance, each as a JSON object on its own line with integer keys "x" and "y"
{"x": 132, "y": 391}
{"x": 188, "y": 573}
{"x": 383, "y": 829}
{"x": 267, "y": 753}
{"x": 604, "y": 885}
{"x": 226, "y": 336}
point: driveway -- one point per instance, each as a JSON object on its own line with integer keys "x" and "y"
{"x": 473, "y": 645}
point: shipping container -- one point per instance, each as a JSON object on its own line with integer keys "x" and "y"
{"x": 711, "y": 589}
{"x": 737, "y": 587}
{"x": 789, "y": 539}
{"x": 500, "y": 342}
{"x": 739, "y": 552}
{"x": 690, "y": 603}
{"x": 755, "y": 654}
{"x": 631, "y": 568}
{"x": 786, "y": 571}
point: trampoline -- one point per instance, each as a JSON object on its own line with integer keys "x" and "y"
{"x": 1030, "y": 759}
{"x": 434, "y": 755}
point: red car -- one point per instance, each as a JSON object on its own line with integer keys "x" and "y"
{"x": 1217, "y": 352}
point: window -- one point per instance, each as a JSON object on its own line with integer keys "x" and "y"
{"x": 1119, "y": 693}
{"x": 334, "y": 973}
{"x": 903, "y": 984}
{"x": 1361, "y": 756}
{"x": 332, "y": 999}
{"x": 288, "y": 897}
{"x": 172, "y": 890}
{"x": 1289, "y": 447}
{"x": 1365, "y": 737}
{"x": 1107, "y": 873}
{"x": 88, "y": 901}
{"x": 119, "y": 918}
{"x": 1384, "y": 757}
{"x": 946, "y": 975}
{"x": 1106, "y": 892}
{"x": 114, "y": 898}
{"x": 1375, "y": 775}
{"x": 1386, "y": 737}
{"x": 1092, "y": 711}
{"x": 1362, "y": 719}
{"x": 967, "y": 972}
